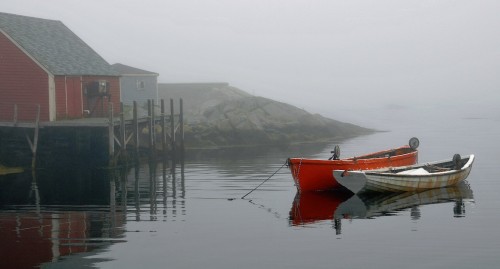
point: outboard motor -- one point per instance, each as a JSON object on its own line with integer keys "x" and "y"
{"x": 457, "y": 161}
{"x": 335, "y": 152}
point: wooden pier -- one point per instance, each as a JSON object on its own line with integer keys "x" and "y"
{"x": 108, "y": 141}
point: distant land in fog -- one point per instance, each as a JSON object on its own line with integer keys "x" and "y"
{"x": 219, "y": 115}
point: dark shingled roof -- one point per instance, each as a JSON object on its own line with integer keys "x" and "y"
{"x": 128, "y": 70}
{"x": 54, "y": 46}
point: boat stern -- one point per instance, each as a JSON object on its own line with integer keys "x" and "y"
{"x": 354, "y": 181}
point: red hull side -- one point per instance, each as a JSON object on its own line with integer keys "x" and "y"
{"x": 314, "y": 174}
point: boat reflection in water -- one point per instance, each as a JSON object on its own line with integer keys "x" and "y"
{"x": 313, "y": 207}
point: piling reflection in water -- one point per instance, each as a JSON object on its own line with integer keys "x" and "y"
{"x": 311, "y": 207}
{"x": 158, "y": 191}
{"x": 47, "y": 215}
{"x": 53, "y": 213}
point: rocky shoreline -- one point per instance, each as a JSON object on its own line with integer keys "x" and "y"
{"x": 219, "y": 115}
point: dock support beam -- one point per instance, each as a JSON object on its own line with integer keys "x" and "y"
{"x": 111, "y": 135}
{"x": 172, "y": 131}
{"x": 181, "y": 126}
{"x": 123, "y": 137}
{"x": 135, "y": 127}
{"x": 163, "y": 131}
{"x": 34, "y": 144}
{"x": 120, "y": 132}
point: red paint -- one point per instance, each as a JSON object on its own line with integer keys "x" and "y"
{"x": 74, "y": 99}
{"x": 24, "y": 83}
{"x": 314, "y": 174}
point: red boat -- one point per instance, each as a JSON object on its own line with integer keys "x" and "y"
{"x": 316, "y": 174}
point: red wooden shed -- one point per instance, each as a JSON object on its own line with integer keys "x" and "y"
{"x": 43, "y": 63}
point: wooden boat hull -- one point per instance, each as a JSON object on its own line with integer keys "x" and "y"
{"x": 394, "y": 181}
{"x": 315, "y": 174}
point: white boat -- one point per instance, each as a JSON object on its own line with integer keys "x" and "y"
{"x": 409, "y": 178}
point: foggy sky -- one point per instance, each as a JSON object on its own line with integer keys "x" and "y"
{"x": 319, "y": 55}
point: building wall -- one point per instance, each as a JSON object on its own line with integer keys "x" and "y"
{"x": 22, "y": 82}
{"x": 131, "y": 89}
{"x": 60, "y": 97}
{"x": 99, "y": 106}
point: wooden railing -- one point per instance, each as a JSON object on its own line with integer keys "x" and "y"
{"x": 19, "y": 113}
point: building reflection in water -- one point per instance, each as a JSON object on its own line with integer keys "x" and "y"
{"x": 53, "y": 213}
{"x": 312, "y": 207}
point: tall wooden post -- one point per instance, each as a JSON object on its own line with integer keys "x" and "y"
{"x": 172, "y": 130}
{"x": 181, "y": 126}
{"x": 150, "y": 128}
{"x": 153, "y": 129}
{"x": 163, "y": 131}
{"x": 35, "y": 138}
{"x": 123, "y": 142}
{"x": 111, "y": 135}
{"x": 136, "y": 130}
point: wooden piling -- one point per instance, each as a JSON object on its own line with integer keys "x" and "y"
{"x": 34, "y": 147}
{"x": 153, "y": 129}
{"x": 163, "y": 131}
{"x": 111, "y": 134}
{"x": 135, "y": 128}
{"x": 172, "y": 130}
{"x": 123, "y": 141}
{"x": 150, "y": 128}
{"x": 181, "y": 126}
{"x": 93, "y": 132}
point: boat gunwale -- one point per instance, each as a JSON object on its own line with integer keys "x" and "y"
{"x": 356, "y": 159}
{"x": 389, "y": 172}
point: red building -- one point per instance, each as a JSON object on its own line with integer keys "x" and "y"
{"x": 43, "y": 63}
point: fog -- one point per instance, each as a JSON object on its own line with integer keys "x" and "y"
{"x": 328, "y": 57}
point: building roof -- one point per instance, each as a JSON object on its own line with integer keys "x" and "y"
{"x": 54, "y": 46}
{"x": 126, "y": 70}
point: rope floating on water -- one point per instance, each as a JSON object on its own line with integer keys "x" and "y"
{"x": 264, "y": 181}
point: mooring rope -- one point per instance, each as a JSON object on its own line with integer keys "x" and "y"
{"x": 264, "y": 181}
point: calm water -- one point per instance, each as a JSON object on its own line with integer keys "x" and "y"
{"x": 188, "y": 217}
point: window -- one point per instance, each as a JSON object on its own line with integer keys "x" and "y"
{"x": 140, "y": 85}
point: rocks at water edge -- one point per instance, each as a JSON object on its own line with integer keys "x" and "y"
{"x": 219, "y": 115}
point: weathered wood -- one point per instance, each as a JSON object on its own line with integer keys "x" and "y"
{"x": 408, "y": 178}
{"x": 172, "y": 129}
{"x": 122, "y": 129}
{"x": 153, "y": 129}
{"x": 37, "y": 128}
{"x": 150, "y": 125}
{"x": 120, "y": 132}
{"x": 181, "y": 124}
{"x": 35, "y": 139}
{"x": 136, "y": 130}
{"x": 163, "y": 131}
{"x": 111, "y": 133}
